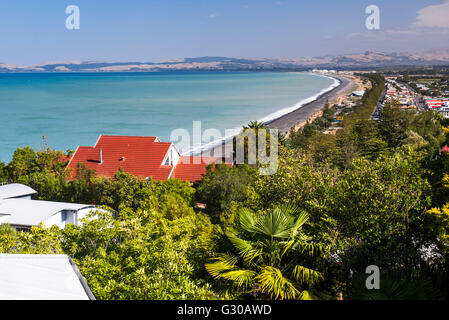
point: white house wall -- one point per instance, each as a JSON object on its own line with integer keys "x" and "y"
{"x": 4, "y": 219}
{"x": 175, "y": 155}
{"x": 56, "y": 219}
{"x": 84, "y": 212}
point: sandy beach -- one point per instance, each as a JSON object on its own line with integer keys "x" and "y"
{"x": 311, "y": 110}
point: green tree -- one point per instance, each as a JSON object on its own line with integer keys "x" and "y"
{"x": 39, "y": 240}
{"x": 222, "y": 186}
{"x": 26, "y": 161}
{"x": 393, "y": 124}
{"x": 267, "y": 260}
{"x": 142, "y": 255}
{"x": 3, "y": 173}
{"x": 302, "y": 137}
{"x": 370, "y": 211}
{"x": 129, "y": 255}
{"x": 328, "y": 112}
{"x": 23, "y": 163}
{"x": 255, "y": 125}
{"x": 395, "y": 286}
{"x": 367, "y": 139}
{"x": 248, "y": 141}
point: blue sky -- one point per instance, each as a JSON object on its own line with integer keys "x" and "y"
{"x": 34, "y": 32}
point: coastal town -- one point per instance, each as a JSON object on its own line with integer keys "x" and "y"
{"x": 406, "y": 93}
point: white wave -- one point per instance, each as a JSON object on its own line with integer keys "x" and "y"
{"x": 282, "y": 112}
{"x": 272, "y": 116}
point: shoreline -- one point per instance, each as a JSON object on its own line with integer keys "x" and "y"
{"x": 309, "y": 111}
{"x": 293, "y": 119}
{"x": 273, "y": 116}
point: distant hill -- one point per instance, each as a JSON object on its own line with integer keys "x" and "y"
{"x": 364, "y": 60}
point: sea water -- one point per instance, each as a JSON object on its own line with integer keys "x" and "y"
{"x": 72, "y": 109}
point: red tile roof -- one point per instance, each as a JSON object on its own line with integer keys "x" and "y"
{"x": 192, "y": 168}
{"x": 140, "y": 156}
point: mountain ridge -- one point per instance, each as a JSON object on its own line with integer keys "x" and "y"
{"x": 368, "y": 59}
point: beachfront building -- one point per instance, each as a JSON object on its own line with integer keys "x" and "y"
{"x": 358, "y": 93}
{"x": 41, "y": 277}
{"x": 18, "y": 210}
{"x": 145, "y": 157}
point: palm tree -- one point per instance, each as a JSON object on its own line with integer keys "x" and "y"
{"x": 255, "y": 125}
{"x": 250, "y": 144}
{"x": 395, "y": 286}
{"x": 267, "y": 255}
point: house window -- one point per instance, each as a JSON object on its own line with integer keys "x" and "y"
{"x": 63, "y": 216}
{"x": 69, "y": 217}
{"x": 168, "y": 161}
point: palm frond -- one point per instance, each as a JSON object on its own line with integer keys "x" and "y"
{"x": 245, "y": 248}
{"x": 395, "y": 286}
{"x": 311, "y": 249}
{"x": 255, "y": 125}
{"x": 300, "y": 221}
{"x": 246, "y": 219}
{"x": 274, "y": 224}
{"x": 306, "y": 275}
{"x": 271, "y": 251}
{"x": 241, "y": 278}
{"x": 290, "y": 209}
{"x": 272, "y": 282}
{"x": 223, "y": 263}
{"x": 305, "y": 295}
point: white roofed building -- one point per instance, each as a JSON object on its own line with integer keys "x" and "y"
{"x": 41, "y": 277}
{"x": 18, "y": 210}
{"x": 358, "y": 93}
{"x": 16, "y": 191}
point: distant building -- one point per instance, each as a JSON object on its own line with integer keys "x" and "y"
{"x": 145, "y": 157}
{"x": 421, "y": 86}
{"x": 41, "y": 277}
{"x": 434, "y": 103}
{"x": 321, "y": 71}
{"x": 444, "y": 111}
{"x": 358, "y": 93}
{"x": 18, "y": 210}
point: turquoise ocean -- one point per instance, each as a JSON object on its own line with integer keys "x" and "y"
{"x": 72, "y": 109}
